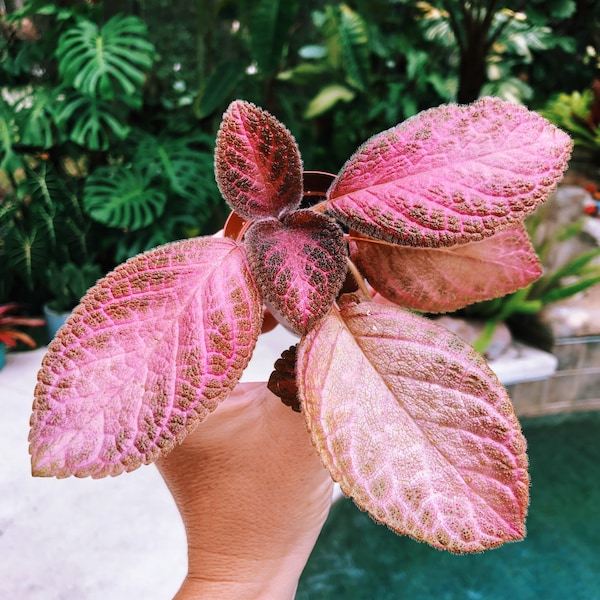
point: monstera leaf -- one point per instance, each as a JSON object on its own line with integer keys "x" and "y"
{"x": 186, "y": 163}
{"x": 109, "y": 62}
{"x": 121, "y": 197}
{"x": 89, "y": 122}
{"x": 185, "y": 169}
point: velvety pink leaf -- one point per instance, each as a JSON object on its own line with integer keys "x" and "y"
{"x": 451, "y": 175}
{"x": 299, "y": 264}
{"x": 414, "y": 426}
{"x": 439, "y": 280}
{"x": 257, "y": 163}
{"x": 151, "y": 350}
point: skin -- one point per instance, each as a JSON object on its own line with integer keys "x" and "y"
{"x": 253, "y": 496}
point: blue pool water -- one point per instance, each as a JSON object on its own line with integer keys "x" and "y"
{"x": 559, "y": 559}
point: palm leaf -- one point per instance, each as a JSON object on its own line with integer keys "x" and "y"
{"x": 354, "y": 40}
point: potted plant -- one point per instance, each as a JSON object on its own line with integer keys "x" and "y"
{"x": 10, "y": 335}
{"x": 410, "y": 222}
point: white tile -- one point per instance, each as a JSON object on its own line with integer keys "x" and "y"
{"x": 79, "y": 539}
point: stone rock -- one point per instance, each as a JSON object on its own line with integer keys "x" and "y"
{"x": 576, "y": 316}
{"x": 470, "y": 330}
{"x": 565, "y": 207}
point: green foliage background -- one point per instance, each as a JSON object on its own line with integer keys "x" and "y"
{"x": 108, "y": 110}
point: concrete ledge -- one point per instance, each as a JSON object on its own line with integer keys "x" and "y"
{"x": 521, "y": 363}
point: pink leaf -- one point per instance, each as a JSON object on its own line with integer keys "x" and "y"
{"x": 451, "y": 175}
{"x": 299, "y": 264}
{"x": 151, "y": 350}
{"x": 415, "y": 427}
{"x": 257, "y": 163}
{"x": 446, "y": 279}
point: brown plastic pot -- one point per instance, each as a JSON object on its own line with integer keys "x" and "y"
{"x": 315, "y": 183}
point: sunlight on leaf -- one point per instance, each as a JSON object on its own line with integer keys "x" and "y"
{"x": 257, "y": 163}
{"x": 415, "y": 427}
{"x": 451, "y": 175}
{"x": 327, "y": 98}
{"x": 439, "y": 280}
{"x": 148, "y": 354}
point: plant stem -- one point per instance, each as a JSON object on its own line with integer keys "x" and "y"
{"x": 481, "y": 344}
{"x": 362, "y": 286}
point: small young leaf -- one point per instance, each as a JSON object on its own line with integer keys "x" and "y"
{"x": 299, "y": 264}
{"x": 282, "y": 381}
{"x": 257, "y": 163}
{"x": 414, "y": 426}
{"x": 451, "y": 175}
{"x": 151, "y": 350}
{"x": 445, "y": 279}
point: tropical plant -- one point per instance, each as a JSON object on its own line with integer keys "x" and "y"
{"x": 90, "y": 172}
{"x": 10, "y": 335}
{"x": 579, "y": 114}
{"x": 372, "y": 71}
{"x": 492, "y": 43}
{"x": 41, "y": 220}
{"x": 109, "y": 62}
{"x": 174, "y": 328}
{"x": 522, "y": 310}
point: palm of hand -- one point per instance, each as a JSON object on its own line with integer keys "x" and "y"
{"x": 252, "y": 493}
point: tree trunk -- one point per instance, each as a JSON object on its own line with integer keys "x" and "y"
{"x": 472, "y": 69}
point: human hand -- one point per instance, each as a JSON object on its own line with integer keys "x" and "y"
{"x": 253, "y": 496}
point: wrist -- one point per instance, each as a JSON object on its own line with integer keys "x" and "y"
{"x": 244, "y": 580}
